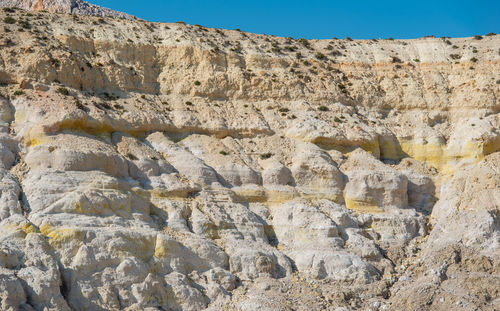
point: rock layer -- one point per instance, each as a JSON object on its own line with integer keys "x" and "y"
{"x": 79, "y": 7}
{"x": 173, "y": 167}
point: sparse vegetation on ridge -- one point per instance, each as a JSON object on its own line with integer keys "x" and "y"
{"x": 205, "y": 161}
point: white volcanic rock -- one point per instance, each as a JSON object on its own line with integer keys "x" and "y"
{"x": 27, "y": 255}
{"x": 13, "y": 295}
{"x": 9, "y": 195}
{"x": 149, "y": 166}
{"x": 63, "y": 6}
{"x": 77, "y": 153}
{"x": 381, "y": 193}
{"x": 231, "y": 167}
{"x": 50, "y": 191}
{"x": 421, "y": 190}
{"x": 297, "y": 224}
{"x": 6, "y": 156}
{"x": 467, "y": 211}
{"x": 7, "y": 144}
{"x": 314, "y": 171}
{"x": 183, "y": 160}
{"x": 6, "y": 117}
{"x": 372, "y": 186}
{"x": 5, "y": 111}
{"x": 275, "y": 173}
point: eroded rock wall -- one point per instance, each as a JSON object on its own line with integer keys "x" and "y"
{"x": 175, "y": 167}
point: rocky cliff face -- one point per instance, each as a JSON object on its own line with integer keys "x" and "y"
{"x": 79, "y": 7}
{"x": 174, "y": 167}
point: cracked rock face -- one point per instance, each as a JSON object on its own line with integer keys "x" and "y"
{"x": 63, "y": 6}
{"x": 148, "y": 166}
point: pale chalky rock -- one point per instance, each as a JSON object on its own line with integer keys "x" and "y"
{"x": 9, "y": 195}
{"x": 144, "y": 159}
{"x": 64, "y": 6}
{"x": 421, "y": 190}
{"x": 27, "y": 258}
{"x": 230, "y": 166}
{"x": 6, "y": 114}
{"x": 87, "y": 193}
{"x": 315, "y": 173}
{"x": 77, "y": 153}
{"x": 372, "y": 187}
{"x": 297, "y": 224}
{"x": 468, "y": 208}
{"x": 13, "y": 296}
{"x": 166, "y": 166}
{"x": 183, "y": 160}
{"x": 6, "y": 157}
{"x": 276, "y": 173}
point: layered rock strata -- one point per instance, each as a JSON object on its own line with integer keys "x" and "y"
{"x": 151, "y": 166}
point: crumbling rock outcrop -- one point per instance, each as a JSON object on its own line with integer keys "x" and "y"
{"x": 149, "y": 166}
{"x": 63, "y": 6}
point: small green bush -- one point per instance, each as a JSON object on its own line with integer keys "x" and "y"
{"x": 396, "y": 59}
{"x": 55, "y": 62}
{"x": 304, "y": 42}
{"x": 24, "y": 24}
{"x": 320, "y": 56}
{"x": 223, "y": 153}
{"x": 197, "y": 83}
{"x": 18, "y": 92}
{"x": 9, "y": 20}
{"x": 265, "y": 156}
{"x": 283, "y": 110}
{"x": 106, "y": 106}
{"x": 63, "y": 91}
{"x": 189, "y": 103}
{"x": 478, "y": 37}
{"x": 323, "y": 108}
{"x": 131, "y": 157}
{"x": 416, "y": 60}
{"x": 79, "y": 105}
{"x": 473, "y": 59}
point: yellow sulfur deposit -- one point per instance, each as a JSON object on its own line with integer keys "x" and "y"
{"x": 362, "y": 206}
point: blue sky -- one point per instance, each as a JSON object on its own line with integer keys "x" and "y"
{"x": 315, "y": 19}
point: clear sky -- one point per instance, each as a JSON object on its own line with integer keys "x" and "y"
{"x": 321, "y": 19}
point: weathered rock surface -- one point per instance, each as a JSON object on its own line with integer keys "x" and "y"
{"x": 62, "y": 6}
{"x": 149, "y": 166}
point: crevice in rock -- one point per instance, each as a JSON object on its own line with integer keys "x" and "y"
{"x": 65, "y": 287}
